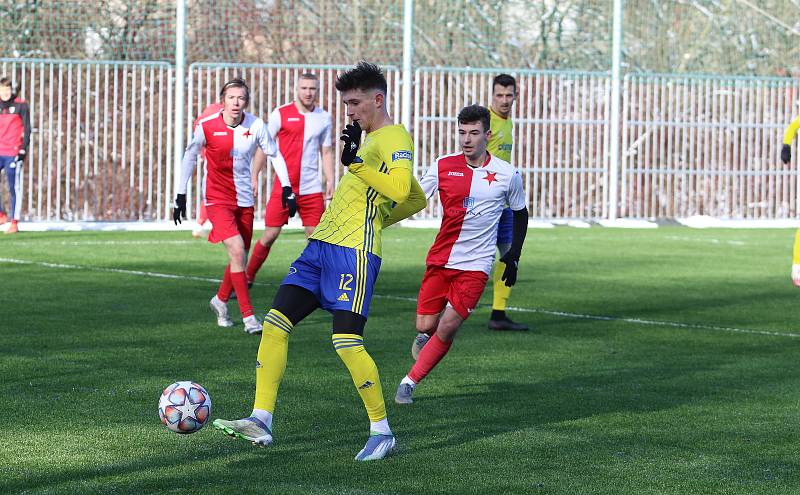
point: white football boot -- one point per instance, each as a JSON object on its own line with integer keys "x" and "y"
{"x": 251, "y": 324}
{"x": 221, "y": 310}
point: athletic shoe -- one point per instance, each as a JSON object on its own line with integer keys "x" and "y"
{"x": 507, "y": 324}
{"x": 12, "y": 229}
{"x": 221, "y": 310}
{"x": 3, "y": 217}
{"x": 404, "y": 393}
{"x": 250, "y": 429}
{"x": 378, "y": 446}
{"x": 419, "y": 342}
{"x": 251, "y": 324}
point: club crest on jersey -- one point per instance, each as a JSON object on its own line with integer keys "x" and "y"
{"x": 12, "y": 109}
{"x": 468, "y": 202}
{"x": 401, "y": 155}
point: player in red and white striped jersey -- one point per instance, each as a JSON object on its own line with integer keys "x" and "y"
{"x": 474, "y": 188}
{"x": 259, "y": 160}
{"x": 303, "y": 130}
{"x": 230, "y": 138}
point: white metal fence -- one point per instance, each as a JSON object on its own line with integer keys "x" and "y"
{"x": 102, "y": 145}
{"x": 707, "y": 145}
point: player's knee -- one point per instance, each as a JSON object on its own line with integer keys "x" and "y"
{"x": 295, "y": 302}
{"x": 348, "y": 322}
{"x": 426, "y": 323}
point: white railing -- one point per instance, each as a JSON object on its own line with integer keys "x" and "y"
{"x": 707, "y": 145}
{"x": 101, "y": 145}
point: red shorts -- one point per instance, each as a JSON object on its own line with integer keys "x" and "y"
{"x": 309, "y": 206}
{"x": 440, "y": 285}
{"x": 228, "y": 221}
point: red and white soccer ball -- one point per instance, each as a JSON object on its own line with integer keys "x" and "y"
{"x": 184, "y": 407}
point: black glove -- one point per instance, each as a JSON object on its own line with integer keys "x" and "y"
{"x": 351, "y": 135}
{"x": 288, "y": 200}
{"x": 179, "y": 210}
{"x": 786, "y": 153}
{"x": 19, "y": 159}
{"x": 510, "y": 273}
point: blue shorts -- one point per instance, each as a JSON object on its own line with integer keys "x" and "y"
{"x": 341, "y": 278}
{"x": 505, "y": 228}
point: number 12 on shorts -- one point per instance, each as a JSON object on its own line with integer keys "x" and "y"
{"x": 345, "y": 280}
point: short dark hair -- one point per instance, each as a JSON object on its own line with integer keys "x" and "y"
{"x": 475, "y": 113}
{"x": 5, "y": 81}
{"x": 308, "y": 75}
{"x": 236, "y": 82}
{"x": 363, "y": 76}
{"x": 504, "y": 80}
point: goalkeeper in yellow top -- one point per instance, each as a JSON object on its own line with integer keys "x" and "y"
{"x": 339, "y": 266}
{"x": 501, "y": 143}
{"x": 786, "y": 157}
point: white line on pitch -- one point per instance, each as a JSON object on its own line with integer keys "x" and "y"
{"x": 566, "y": 314}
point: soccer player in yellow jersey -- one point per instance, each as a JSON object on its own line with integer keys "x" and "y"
{"x": 339, "y": 266}
{"x": 501, "y": 143}
{"x": 786, "y": 157}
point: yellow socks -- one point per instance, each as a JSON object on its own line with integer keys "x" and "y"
{"x": 350, "y": 348}
{"x": 271, "y": 361}
{"x": 501, "y": 291}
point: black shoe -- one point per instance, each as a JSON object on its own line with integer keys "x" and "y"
{"x": 507, "y": 324}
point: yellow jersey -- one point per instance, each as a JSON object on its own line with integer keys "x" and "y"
{"x": 502, "y": 141}
{"x": 380, "y": 177}
{"x": 790, "y": 132}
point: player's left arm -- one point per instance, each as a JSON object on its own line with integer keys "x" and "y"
{"x": 270, "y": 148}
{"x": 516, "y": 201}
{"x": 416, "y": 202}
{"x": 24, "y": 114}
{"x": 788, "y": 136}
{"x": 396, "y": 184}
{"x": 326, "y": 145}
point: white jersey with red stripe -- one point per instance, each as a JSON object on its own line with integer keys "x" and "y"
{"x": 229, "y": 153}
{"x": 300, "y": 137}
{"x": 472, "y": 201}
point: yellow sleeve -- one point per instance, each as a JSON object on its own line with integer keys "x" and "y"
{"x": 395, "y": 185}
{"x": 416, "y": 202}
{"x": 796, "y": 251}
{"x": 790, "y": 132}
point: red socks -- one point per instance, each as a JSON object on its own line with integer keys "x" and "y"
{"x": 429, "y": 357}
{"x": 239, "y": 281}
{"x": 225, "y": 288}
{"x": 257, "y": 258}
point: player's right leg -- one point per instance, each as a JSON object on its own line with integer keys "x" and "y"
{"x": 296, "y": 298}
{"x": 463, "y": 290}
{"x": 275, "y": 217}
{"x": 5, "y": 161}
{"x": 261, "y": 251}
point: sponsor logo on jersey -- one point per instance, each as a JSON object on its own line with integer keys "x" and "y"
{"x": 366, "y": 384}
{"x": 455, "y": 174}
{"x": 293, "y": 119}
{"x": 506, "y": 146}
{"x": 343, "y": 297}
{"x": 401, "y": 155}
{"x": 220, "y": 133}
{"x": 468, "y": 202}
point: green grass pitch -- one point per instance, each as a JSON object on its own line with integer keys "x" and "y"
{"x": 662, "y": 362}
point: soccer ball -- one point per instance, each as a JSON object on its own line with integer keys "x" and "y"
{"x": 184, "y": 407}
